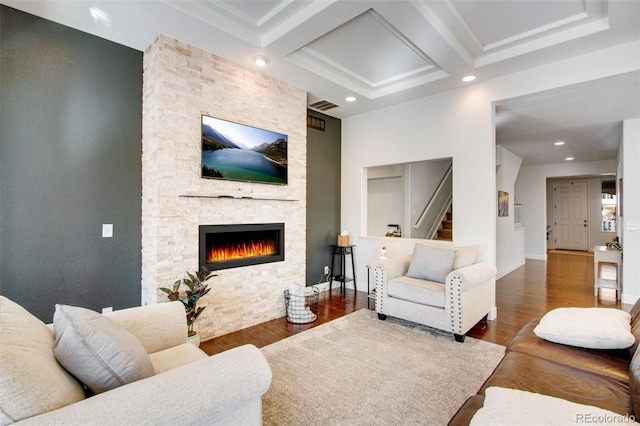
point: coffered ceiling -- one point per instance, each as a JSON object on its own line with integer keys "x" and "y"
{"x": 381, "y": 52}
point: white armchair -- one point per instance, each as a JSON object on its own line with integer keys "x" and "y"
{"x": 443, "y": 287}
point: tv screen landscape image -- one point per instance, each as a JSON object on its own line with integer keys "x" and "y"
{"x": 243, "y": 153}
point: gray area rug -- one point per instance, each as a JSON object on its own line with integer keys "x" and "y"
{"x": 358, "y": 370}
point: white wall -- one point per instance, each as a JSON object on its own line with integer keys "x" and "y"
{"x": 531, "y": 189}
{"x": 423, "y": 130}
{"x": 631, "y": 211}
{"x": 385, "y": 198}
{"x": 509, "y": 241}
{"x": 458, "y": 124}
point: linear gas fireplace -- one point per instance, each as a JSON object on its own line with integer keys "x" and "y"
{"x": 232, "y": 246}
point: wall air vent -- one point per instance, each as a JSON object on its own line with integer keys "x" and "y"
{"x": 323, "y": 105}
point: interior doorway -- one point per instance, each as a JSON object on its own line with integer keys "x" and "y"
{"x": 571, "y": 215}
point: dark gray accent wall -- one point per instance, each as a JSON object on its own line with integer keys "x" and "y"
{"x": 70, "y": 161}
{"x": 323, "y": 194}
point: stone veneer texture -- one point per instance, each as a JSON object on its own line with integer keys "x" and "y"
{"x": 180, "y": 84}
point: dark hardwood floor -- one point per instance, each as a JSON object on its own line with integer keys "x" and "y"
{"x": 565, "y": 279}
{"x": 331, "y": 305}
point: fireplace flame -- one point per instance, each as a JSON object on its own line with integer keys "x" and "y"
{"x": 241, "y": 251}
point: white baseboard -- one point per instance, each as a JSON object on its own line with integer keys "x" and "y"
{"x": 509, "y": 269}
{"x": 535, "y": 256}
{"x": 629, "y": 299}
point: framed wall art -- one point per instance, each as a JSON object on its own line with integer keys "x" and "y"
{"x": 503, "y": 204}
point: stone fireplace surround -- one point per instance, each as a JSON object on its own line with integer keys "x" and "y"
{"x": 182, "y": 82}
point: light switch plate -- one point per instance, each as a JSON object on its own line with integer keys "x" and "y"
{"x": 107, "y": 230}
{"x": 633, "y": 226}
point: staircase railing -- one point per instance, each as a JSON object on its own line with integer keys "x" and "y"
{"x": 444, "y": 189}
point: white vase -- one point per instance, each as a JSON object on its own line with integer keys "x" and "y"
{"x": 194, "y": 340}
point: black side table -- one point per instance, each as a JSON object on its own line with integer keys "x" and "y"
{"x": 341, "y": 252}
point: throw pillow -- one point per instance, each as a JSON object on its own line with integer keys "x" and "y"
{"x": 96, "y": 350}
{"x": 593, "y": 328}
{"x": 431, "y": 263}
{"x": 503, "y": 406}
{"x": 31, "y": 380}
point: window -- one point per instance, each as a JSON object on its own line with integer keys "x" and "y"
{"x": 608, "y": 199}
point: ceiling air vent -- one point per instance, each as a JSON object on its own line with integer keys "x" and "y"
{"x": 323, "y": 105}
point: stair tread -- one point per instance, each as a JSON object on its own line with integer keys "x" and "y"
{"x": 445, "y": 234}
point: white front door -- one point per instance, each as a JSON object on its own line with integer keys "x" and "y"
{"x": 571, "y": 209}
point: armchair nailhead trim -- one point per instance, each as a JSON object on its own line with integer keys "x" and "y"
{"x": 381, "y": 281}
{"x": 456, "y": 305}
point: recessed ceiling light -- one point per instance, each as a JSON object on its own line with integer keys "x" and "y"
{"x": 558, "y": 143}
{"x": 350, "y": 99}
{"x": 468, "y": 78}
{"x": 260, "y": 60}
{"x": 569, "y": 158}
{"x": 100, "y": 16}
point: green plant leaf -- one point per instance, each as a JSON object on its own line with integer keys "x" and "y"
{"x": 196, "y": 287}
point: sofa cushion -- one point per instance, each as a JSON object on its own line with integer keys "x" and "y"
{"x": 594, "y": 328}
{"x": 31, "y": 380}
{"x": 613, "y": 363}
{"x": 503, "y": 406}
{"x": 431, "y": 263}
{"x": 177, "y": 356}
{"x": 635, "y": 326}
{"x": 96, "y": 350}
{"x": 143, "y": 324}
{"x": 416, "y": 290}
{"x": 533, "y": 374}
{"x": 634, "y": 382}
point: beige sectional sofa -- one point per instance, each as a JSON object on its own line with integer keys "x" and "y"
{"x": 183, "y": 385}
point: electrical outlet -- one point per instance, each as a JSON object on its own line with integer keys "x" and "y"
{"x": 107, "y": 310}
{"x": 326, "y": 269}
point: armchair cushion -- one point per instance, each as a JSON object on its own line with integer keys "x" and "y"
{"x": 431, "y": 263}
{"x": 27, "y": 352}
{"x": 96, "y": 350}
{"x": 417, "y": 290}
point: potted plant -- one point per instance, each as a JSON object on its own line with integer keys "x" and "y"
{"x": 188, "y": 291}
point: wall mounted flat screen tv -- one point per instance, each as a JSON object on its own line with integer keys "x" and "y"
{"x": 237, "y": 152}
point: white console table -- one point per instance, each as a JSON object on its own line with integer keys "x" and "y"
{"x": 601, "y": 254}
